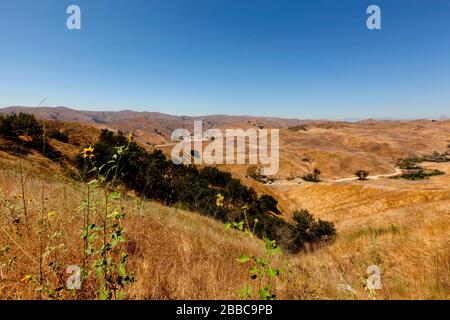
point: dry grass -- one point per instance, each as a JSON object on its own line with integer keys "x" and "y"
{"x": 181, "y": 255}
{"x": 174, "y": 254}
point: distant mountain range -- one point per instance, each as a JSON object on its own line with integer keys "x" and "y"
{"x": 152, "y": 127}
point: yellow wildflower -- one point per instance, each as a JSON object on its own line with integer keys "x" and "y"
{"x": 219, "y": 200}
{"x": 130, "y": 137}
{"x": 51, "y": 214}
{"x": 116, "y": 215}
{"x": 88, "y": 152}
{"x": 27, "y": 278}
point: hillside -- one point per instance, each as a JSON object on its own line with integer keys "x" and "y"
{"x": 338, "y": 149}
{"x": 150, "y": 128}
{"x": 181, "y": 255}
{"x": 399, "y": 225}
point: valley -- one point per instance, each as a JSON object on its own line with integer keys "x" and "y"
{"x": 399, "y": 225}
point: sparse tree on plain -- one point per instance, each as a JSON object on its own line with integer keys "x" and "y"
{"x": 362, "y": 174}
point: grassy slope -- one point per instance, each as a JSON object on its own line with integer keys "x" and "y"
{"x": 401, "y": 226}
{"x": 178, "y": 254}
{"x": 175, "y": 254}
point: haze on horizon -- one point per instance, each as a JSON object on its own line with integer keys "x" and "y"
{"x": 289, "y": 59}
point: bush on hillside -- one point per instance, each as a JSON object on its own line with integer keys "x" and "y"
{"x": 362, "y": 174}
{"x": 26, "y": 133}
{"x": 58, "y": 135}
{"x": 313, "y": 176}
{"x": 436, "y": 157}
{"x": 409, "y": 163}
{"x": 308, "y": 230}
{"x": 268, "y": 203}
{"x": 420, "y": 174}
{"x": 153, "y": 176}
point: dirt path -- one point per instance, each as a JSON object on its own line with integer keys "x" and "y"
{"x": 397, "y": 172}
{"x": 299, "y": 180}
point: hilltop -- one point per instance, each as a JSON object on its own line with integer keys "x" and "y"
{"x": 337, "y": 148}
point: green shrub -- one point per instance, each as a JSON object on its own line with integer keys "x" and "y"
{"x": 362, "y": 174}
{"x": 153, "y": 176}
{"x": 420, "y": 174}
{"x": 58, "y": 135}
{"x": 307, "y": 230}
{"x": 436, "y": 157}
{"x": 14, "y": 126}
{"x": 27, "y": 133}
{"x": 268, "y": 203}
{"x": 313, "y": 176}
{"x": 408, "y": 163}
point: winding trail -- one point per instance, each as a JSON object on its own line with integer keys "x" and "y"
{"x": 388, "y": 175}
{"x": 299, "y": 180}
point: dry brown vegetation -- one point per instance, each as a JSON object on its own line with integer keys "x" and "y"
{"x": 399, "y": 225}
{"x": 176, "y": 254}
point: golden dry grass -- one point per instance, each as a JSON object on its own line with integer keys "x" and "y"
{"x": 181, "y": 255}
{"x": 174, "y": 254}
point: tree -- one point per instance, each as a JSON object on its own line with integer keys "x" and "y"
{"x": 153, "y": 176}
{"x": 254, "y": 172}
{"x": 313, "y": 176}
{"x": 308, "y": 230}
{"x": 317, "y": 173}
{"x": 408, "y": 163}
{"x": 26, "y": 133}
{"x": 268, "y": 203}
{"x": 362, "y": 174}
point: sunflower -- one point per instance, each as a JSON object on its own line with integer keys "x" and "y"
{"x": 88, "y": 152}
{"x": 130, "y": 137}
{"x": 27, "y": 278}
{"x": 219, "y": 200}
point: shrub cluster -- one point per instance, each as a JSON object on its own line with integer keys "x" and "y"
{"x": 409, "y": 163}
{"x": 152, "y": 176}
{"x": 309, "y": 230}
{"x": 58, "y": 135}
{"x": 362, "y": 174}
{"x": 26, "y": 133}
{"x": 420, "y": 174}
{"x": 436, "y": 157}
{"x": 312, "y": 176}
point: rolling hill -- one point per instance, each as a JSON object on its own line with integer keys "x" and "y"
{"x": 399, "y": 225}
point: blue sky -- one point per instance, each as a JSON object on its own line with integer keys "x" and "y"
{"x": 302, "y": 59}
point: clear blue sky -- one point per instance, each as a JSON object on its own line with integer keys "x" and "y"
{"x": 304, "y": 59}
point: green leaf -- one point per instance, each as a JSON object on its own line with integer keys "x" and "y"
{"x": 277, "y": 251}
{"x": 227, "y": 226}
{"x": 103, "y": 295}
{"x": 264, "y": 294}
{"x": 243, "y": 259}
{"x": 272, "y": 272}
{"x": 114, "y": 195}
{"x": 246, "y": 292}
